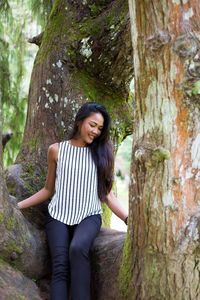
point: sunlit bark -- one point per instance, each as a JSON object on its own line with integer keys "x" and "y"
{"x": 163, "y": 238}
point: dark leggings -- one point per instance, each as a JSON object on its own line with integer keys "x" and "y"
{"x": 70, "y": 249}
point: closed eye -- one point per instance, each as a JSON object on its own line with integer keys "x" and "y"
{"x": 95, "y": 125}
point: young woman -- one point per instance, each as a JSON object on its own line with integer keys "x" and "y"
{"x": 80, "y": 176}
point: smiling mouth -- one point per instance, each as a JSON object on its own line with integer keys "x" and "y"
{"x": 91, "y": 137}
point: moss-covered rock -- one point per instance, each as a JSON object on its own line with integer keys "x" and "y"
{"x": 106, "y": 260}
{"x": 15, "y": 286}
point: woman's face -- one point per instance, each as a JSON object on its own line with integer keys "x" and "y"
{"x": 91, "y": 128}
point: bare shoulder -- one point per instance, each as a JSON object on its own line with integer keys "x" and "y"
{"x": 53, "y": 151}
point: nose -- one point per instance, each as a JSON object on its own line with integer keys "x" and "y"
{"x": 95, "y": 131}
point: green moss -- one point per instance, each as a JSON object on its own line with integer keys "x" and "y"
{"x": 152, "y": 271}
{"x": 29, "y": 168}
{"x": 19, "y": 297}
{"x": 64, "y": 28}
{"x": 125, "y": 272}
{"x": 53, "y": 31}
{"x": 2, "y": 262}
{"x": 88, "y": 85}
{"x": 117, "y": 14}
{"x": 160, "y": 154}
{"x": 10, "y": 223}
{"x": 191, "y": 88}
{"x": 1, "y": 217}
{"x": 33, "y": 143}
{"x": 196, "y": 88}
{"x": 13, "y": 247}
{"x": 94, "y": 8}
{"x": 16, "y": 295}
{"x": 71, "y": 54}
{"x": 55, "y": 9}
{"x": 106, "y": 216}
{"x": 33, "y": 177}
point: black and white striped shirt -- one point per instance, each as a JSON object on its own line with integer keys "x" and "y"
{"x": 76, "y": 194}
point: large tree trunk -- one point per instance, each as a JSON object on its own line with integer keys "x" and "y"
{"x": 161, "y": 257}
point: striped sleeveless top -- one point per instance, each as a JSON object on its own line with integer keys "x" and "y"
{"x": 75, "y": 196}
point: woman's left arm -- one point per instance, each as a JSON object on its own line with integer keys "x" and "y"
{"x": 113, "y": 203}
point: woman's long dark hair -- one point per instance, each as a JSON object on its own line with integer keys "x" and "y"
{"x": 101, "y": 148}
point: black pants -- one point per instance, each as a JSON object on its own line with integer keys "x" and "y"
{"x": 70, "y": 249}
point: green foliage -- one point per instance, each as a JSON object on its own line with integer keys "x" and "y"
{"x": 124, "y": 151}
{"x": 14, "y": 21}
{"x": 4, "y": 66}
{"x": 40, "y": 10}
{"x": 4, "y": 5}
{"x": 11, "y": 62}
{"x": 196, "y": 88}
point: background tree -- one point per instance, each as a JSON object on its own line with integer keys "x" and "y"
{"x": 161, "y": 257}
{"x": 18, "y": 19}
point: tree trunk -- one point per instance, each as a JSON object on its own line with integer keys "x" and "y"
{"x": 161, "y": 257}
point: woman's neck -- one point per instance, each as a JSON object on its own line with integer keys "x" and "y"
{"x": 77, "y": 142}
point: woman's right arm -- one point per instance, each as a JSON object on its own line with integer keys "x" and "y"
{"x": 48, "y": 190}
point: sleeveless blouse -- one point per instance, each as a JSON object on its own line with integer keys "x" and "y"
{"x": 75, "y": 196}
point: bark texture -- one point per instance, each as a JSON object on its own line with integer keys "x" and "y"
{"x": 162, "y": 252}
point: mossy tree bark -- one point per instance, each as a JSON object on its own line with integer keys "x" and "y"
{"x": 161, "y": 257}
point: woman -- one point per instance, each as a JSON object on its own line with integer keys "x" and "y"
{"x": 80, "y": 176}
